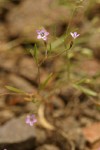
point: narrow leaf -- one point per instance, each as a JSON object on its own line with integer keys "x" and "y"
{"x": 32, "y": 52}
{"x": 14, "y": 89}
{"x": 43, "y": 85}
{"x": 57, "y": 43}
{"x": 50, "y": 47}
{"x": 35, "y": 52}
{"x": 85, "y": 90}
{"x": 83, "y": 80}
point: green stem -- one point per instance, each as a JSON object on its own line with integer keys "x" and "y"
{"x": 38, "y": 70}
{"x": 46, "y": 51}
{"x": 68, "y": 68}
{"x": 46, "y": 54}
{"x": 39, "y": 81}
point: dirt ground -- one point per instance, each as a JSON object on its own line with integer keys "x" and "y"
{"x": 70, "y": 118}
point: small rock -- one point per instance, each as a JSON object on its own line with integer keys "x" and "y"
{"x": 48, "y": 147}
{"x": 95, "y": 44}
{"x": 96, "y": 145}
{"x": 21, "y": 83}
{"x": 3, "y": 32}
{"x": 17, "y": 134}
{"x": 5, "y": 115}
{"x": 28, "y": 68}
{"x": 92, "y": 133}
{"x": 71, "y": 127}
{"x": 92, "y": 68}
{"x": 41, "y": 135}
{"x": 66, "y": 94}
{"x": 7, "y": 61}
{"x": 2, "y": 100}
{"x": 57, "y": 102}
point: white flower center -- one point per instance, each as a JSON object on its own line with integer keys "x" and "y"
{"x": 42, "y": 34}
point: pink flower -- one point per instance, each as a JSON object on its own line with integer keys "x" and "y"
{"x": 42, "y": 34}
{"x": 74, "y": 35}
{"x": 30, "y": 119}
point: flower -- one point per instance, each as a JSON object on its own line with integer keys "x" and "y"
{"x": 42, "y": 34}
{"x": 74, "y": 35}
{"x": 30, "y": 119}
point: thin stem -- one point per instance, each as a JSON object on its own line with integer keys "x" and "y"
{"x": 39, "y": 81}
{"x": 68, "y": 67}
{"x": 50, "y": 57}
{"x": 46, "y": 54}
{"x": 46, "y": 51}
{"x": 38, "y": 70}
{"x": 69, "y": 24}
{"x": 2, "y": 94}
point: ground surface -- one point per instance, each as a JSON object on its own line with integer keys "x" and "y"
{"x": 74, "y": 112}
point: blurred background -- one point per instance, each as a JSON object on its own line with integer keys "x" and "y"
{"x": 75, "y": 111}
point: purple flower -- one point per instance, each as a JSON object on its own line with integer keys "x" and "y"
{"x": 74, "y": 35}
{"x": 42, "y": 34}
{"x": 30, "y": 119}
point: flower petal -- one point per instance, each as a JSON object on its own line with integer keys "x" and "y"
{"x": 46, "y": 33}
{"x": 38, "y": 31}
{"x": 31, "y": 123}
{"x": 44, "y": 38}
{"x": 39, "y": 37}
{"x": 72, "y": 34}
{"x": 78, "y": 35}
{"x": 35, "y": 120}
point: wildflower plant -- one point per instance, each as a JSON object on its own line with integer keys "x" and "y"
{"x": 40, "y": 97}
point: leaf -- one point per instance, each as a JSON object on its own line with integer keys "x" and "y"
{"x": 57, "y": 43}
{"x": 85, "y": 90}
{"x": 14, "y": 89}
{"x": 83, "y": 80}
{"x": 50, "y": 47}
{"x": 32, "y": 52}
{"x": 43, "y": 85}
{"x": 35, "y": 53}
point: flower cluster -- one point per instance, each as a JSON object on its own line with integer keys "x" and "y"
{"x": 43, "y": 34}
